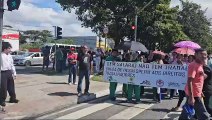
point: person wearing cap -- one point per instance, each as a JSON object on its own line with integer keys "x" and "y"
{"x": 72, "y": 66}
{"x": 84, "y": 62}
{"x": 114, "y": 57}
{"x": 8, "y": 74}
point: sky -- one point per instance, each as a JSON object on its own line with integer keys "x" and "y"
{"x": 44, "y": 14}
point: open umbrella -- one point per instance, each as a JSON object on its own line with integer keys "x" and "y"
{"x": 132, "y": 45}
{"x": 187, "y": 44}
{"x": 184, "y": 51}
{"x": 159, "y": 52}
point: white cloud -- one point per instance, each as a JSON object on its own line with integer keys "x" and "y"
{"x": 30, "y": 16}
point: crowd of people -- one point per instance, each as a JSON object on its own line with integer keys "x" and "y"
{"x": 198, "y": 89}
{"x": 199, "y": 70}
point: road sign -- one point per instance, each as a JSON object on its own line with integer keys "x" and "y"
{"x": 105, "y": 30}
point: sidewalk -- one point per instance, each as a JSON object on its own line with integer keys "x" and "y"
{"x": 40, "y": 94}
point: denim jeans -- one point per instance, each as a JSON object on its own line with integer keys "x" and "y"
{"x": 82, "y": 74}
{"x": 199, "y": 108}
{"x": 72, "y": 71}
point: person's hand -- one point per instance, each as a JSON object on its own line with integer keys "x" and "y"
{"x": 205, "y": 76}
{"x": 202, "y": 95}
{"x": 14, "y": 77}
{"x": 191, "y": 101}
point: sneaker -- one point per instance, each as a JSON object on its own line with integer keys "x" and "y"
{"x": 79, "y": 94}
{"x": 87, "y": 93}
{"x": 3, "y": 104}
{"x": 74, "y": 83}
{"x": 69, "y": 83}
{"x": 129, "y": 101}
{"x": 176, "y": 109}
{"x": 136, "y": 101}
{"x": 14, "y": 101}
{"x": 113, "y": 99}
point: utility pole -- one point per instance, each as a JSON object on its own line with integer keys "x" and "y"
{"x": 1, "y": 30}
{"x": 136, "y": 17}
{"x": 136, "y": 26}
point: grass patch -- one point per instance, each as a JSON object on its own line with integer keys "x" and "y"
{"x": 98, "y": 78}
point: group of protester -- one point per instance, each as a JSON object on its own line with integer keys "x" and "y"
{"x": 199, "y": 70}
{"x": 198, "y": 89}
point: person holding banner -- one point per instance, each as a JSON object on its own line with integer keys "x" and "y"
{"x": 181, "y": 92}
{"x": 135, "y": 88}
{"x": 194, "y": 87}
{"x": 114, "y": 57}
{"x": 157, "y": 59}
{"x": 127, "y": 58}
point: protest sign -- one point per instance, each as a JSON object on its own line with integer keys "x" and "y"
{"x": 144, "y": 74}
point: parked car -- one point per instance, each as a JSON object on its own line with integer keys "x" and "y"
{"x": 17, "y": 53}
{"x": 30, "y": 58}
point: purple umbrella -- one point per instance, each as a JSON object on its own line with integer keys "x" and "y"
{"x": 187, "y": 44}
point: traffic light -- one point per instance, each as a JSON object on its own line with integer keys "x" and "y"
{"x": 59, "y": 32}
{"x": 133, "y": 27}
{"x": 13, "y": 4}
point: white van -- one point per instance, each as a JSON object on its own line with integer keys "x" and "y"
{"x": 66, "y": 46}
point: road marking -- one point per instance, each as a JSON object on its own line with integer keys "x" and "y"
{"x": 86, "y": 111}
{"x": 172, "y": 115}
{"x": 131, "y": 112}
{"x": 56, "y": 113}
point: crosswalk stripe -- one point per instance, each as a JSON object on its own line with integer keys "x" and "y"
{"x": 131, "y": 112}
{"x": 87, "y": 111}
{"x": 172, "y": 115}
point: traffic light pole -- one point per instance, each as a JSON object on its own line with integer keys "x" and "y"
{"x": 136, "y": 17}
{"x": 1, "y": 30}
{"x": 136, "y": 26}
{"x": 55, "y": 48}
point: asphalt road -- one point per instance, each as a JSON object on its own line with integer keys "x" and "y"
{"x": 119, "y": 109}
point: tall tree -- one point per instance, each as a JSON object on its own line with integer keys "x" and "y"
{"x": 157, "y": 23}
{"x": 195, "y": 23}
{"x": 116, "y": 14}
{"x": 159, "y": 27}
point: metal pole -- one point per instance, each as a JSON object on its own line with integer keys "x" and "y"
{"x": 55, "y": 61}
{"x": 136, "y": 26}
{"x": 1, "y": 30}
{"x": 105, "y": 42}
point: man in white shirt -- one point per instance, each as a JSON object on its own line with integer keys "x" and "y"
{"x": 8, "y": 74}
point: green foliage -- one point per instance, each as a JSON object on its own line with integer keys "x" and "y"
{"x": 195, "y": 24}
{"x": 31, "y": 45}
{"x": 35, "y": 35}
{"x": 159, "y": 26}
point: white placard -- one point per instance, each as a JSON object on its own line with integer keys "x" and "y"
{"x": 153, "y": 75}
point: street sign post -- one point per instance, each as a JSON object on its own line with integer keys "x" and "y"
{"x": 105, "y": 30}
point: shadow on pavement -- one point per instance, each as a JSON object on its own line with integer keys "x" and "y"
{"x": 59, "y": 83}
{"x": 160, "y": 110}
{"x": 62, "y": 94}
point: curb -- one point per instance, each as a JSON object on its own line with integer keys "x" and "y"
{"x": 99, "y": 96}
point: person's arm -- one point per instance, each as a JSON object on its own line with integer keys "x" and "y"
{"x": 191, "y": 76}
{"x": 13, "y": 67}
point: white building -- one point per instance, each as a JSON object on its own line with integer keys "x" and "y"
{"x": 12, "y": 36}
